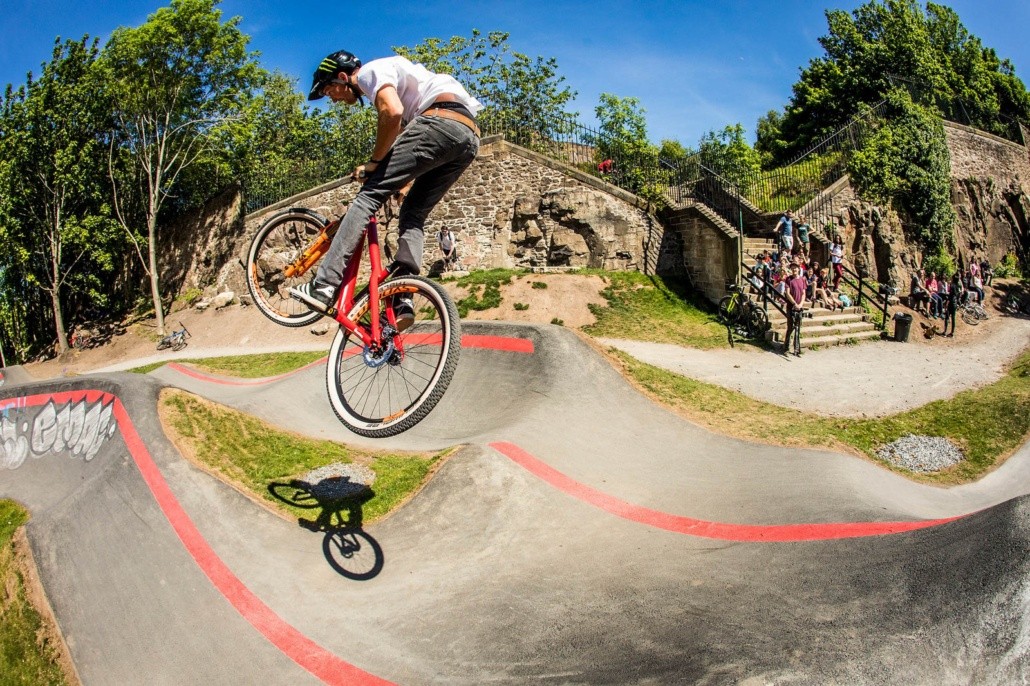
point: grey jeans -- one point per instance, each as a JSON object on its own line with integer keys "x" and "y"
{"x": 433, "y": 151}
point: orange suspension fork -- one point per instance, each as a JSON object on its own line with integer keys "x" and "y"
{"x": 314, "y": 252}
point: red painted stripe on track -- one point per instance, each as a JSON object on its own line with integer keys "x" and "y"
{"x": 182, "y": 369}
{"x": 748, "y": 533}
{"x": 295, "y": 645}
{"x": 502, "y": 343}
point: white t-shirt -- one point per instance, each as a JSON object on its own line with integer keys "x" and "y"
{"x": 416, "y": 86}
{"x": 446, "y": 241}
{"x": 836, "y": 253}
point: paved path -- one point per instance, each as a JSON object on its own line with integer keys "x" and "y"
{"x": 870, "y": 379}
{"x": 582, "y": 535}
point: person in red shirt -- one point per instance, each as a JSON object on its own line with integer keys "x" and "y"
{"x": 795, "y": 294}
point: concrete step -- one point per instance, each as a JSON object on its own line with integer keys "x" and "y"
{"x": 821, "y": 315}
{"x": 840, "y": 339}
{"x": 829, "y": 335}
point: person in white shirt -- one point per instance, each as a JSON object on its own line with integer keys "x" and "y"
{"x": 447, "y": 246}
{"x": 426, "y": 134}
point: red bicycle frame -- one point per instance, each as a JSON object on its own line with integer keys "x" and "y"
{"x": 346, "y": 296}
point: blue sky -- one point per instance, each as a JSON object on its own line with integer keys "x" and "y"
{"x": 695, "y": 66}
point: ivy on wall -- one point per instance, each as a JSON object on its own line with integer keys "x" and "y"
{"x": 906, "y": 164}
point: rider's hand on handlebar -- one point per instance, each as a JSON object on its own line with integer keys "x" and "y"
{"x": 363, "y": 171}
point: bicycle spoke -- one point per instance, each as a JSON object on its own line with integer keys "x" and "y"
{"x": 373, "y": 387}
{"x": 277, "y": 245}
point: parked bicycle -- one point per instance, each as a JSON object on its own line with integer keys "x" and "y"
{"x": 739, "y": 311}
{"x": 380, "y": 381}
{"x": 176, "y": 340}
{"x": 973, "y": 313}
{"x": 1014, "y": 304}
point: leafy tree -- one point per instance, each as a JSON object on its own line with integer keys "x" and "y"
{"x": 522, "y": 95}
{"x": 55, "y": 226}
{"x": 882, "y": 45}
{"x": 174, "y": 79}
{"x": 906, "y": 162}
{"x": 730, "y": 155}
{"x": 623, "y": 139}
{"x": 282, "y": 147}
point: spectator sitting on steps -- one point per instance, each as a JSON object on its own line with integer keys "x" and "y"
{"x": 936, "y": 302}
{"x": 917, "y": 295}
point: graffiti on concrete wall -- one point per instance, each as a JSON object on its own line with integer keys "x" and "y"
{"x": 77, "y": 429}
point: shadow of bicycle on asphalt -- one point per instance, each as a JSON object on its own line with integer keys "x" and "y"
{"x": 348, "y": 548}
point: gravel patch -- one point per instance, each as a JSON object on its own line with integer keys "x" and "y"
{"x": 921, "y": 453}
{"x": 338, "y": 481}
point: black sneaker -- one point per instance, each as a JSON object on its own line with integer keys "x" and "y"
{"x": 403, "y": 311}
{"x": 317, "y": 297}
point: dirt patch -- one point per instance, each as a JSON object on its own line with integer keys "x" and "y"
{"x": 566, "y": 297}
{"x": 238, "y": 330}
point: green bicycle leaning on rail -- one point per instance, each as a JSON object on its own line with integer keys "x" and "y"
{"x": 739, "y": 311}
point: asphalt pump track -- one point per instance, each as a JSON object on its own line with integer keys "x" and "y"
{"x": 582, "y": 534}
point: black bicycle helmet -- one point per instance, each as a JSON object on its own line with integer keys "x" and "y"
{"x": 333, "y": 64}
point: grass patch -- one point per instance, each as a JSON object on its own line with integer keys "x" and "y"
{"x": 521, "y": 307}
{"x": 246, "y": 366}
{"x": 484, "y": 289}
{"x": 651, "y": 308}
{"x": 251, "y": 454}
{"x": 988, "y": 423}
{"x": 26, "y": 655}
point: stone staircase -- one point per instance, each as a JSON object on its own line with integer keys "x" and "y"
{"x": 756, "y": 246}
{"x": 826, "y": 328}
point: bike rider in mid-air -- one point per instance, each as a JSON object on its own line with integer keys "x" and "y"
{"x": 426, "y": 133}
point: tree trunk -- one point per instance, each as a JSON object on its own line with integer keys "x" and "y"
{"x": 155, "y": 286}
{"x": 62, "y": 335}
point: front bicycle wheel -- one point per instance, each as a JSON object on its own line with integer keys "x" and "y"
{"x": 277, "y": 244}
{"x": 969, "y": 316}
{"x": 383, "y": 390}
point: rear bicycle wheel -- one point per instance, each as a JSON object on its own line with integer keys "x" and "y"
{"x": 757, "y": 322}
{"x": 380, "y": 392}
{"x": 969, "y": 316}
{"x": 277, "y": 244}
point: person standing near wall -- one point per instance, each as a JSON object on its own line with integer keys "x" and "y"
{"x": 803, "y": 228}
{"x": 795, "y": 295}
{"x": 837, "y": 261}
{"x": 785, "y": 231}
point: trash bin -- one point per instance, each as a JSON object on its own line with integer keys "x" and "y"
{"x": 902, "y": 325}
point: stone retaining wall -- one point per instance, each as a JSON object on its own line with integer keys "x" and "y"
{"x": 514, "y": 208}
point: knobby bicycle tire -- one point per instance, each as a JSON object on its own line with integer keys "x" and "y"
{"x": 758, "y": 322}
{"x": 279, "y": 242}
{"x": 379, "y": 394}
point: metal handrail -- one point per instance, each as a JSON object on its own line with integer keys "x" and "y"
{"x": 876, "y": 295}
